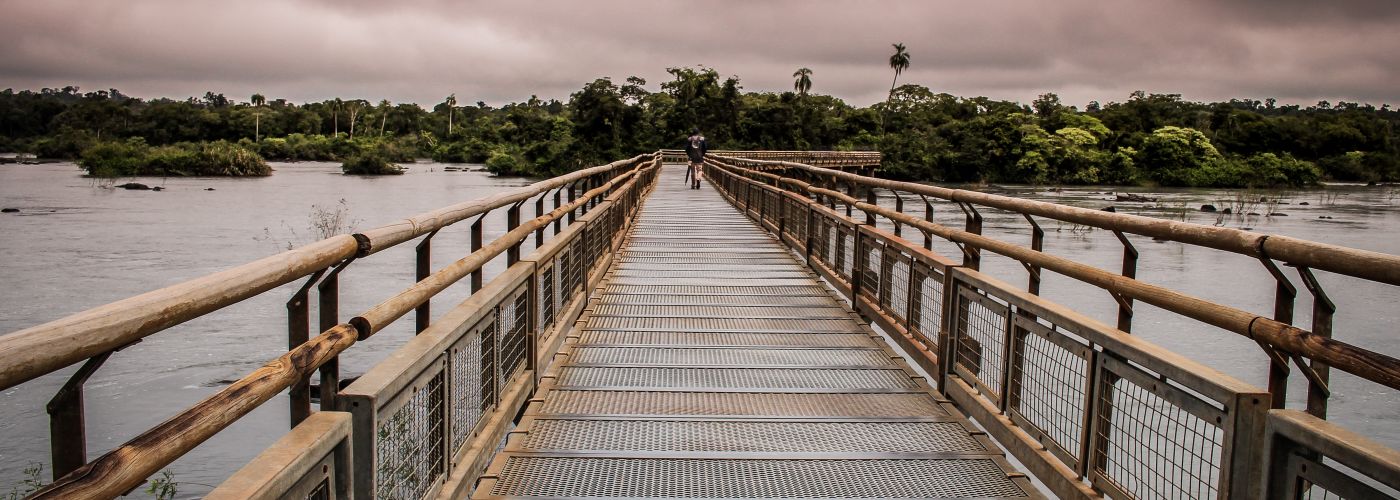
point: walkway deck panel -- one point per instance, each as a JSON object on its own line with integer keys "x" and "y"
{"x": 713, "y": 364}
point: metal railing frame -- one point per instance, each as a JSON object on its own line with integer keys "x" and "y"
{"x": 35, "y": 351}
{"x": 888, "y": 279}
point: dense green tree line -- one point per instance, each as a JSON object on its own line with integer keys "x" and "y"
{"x": 1148, "y": 138}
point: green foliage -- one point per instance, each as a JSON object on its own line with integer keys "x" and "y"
{"x": 927, "y": 136}
{"x": 1177, "y": 156}
{"x": 163, "y": 487}
{"x": 503, "y": 162}
{"x": 377, "y": 159}
{"x": 133, "y": 157}
{"x": 33, "y": 480}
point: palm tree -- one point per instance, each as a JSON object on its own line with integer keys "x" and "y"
{"x": 804, "y": 81}
{"x": 383, "y": 115}
{"x": 451, "y": 103}
{"x": 899, "y": 61}
{"x": 258, "y": 100}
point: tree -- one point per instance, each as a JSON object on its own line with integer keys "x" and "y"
{"x": 899, "y": 62}
{"x": 258, "y": 100}
{"x": 804, "y": 81}
{"x": 353, "y": 108}
{"x": 383, "y": 115}
{"x": 451, "y": 103}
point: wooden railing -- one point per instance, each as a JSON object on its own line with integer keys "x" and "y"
{"x": 1088, "y": 408}
{"x": 593, "y": 215}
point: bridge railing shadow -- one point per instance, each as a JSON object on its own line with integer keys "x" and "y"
{"x": 1090, "y": 409}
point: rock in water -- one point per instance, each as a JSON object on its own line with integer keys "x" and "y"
{"x": 1207, "y": 208}
{"x": 134, "y": 185}
{"x": 9, "y": 210}
{"x": 1109, "y": 208}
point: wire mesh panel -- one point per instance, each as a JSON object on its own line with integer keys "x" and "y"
{"x": 514, "y": 323}
{"x": 547, "y": 297}
{"x": 926, "y": 304}
{"x": 409, "y": 444}
{"x": 488, "y": 365}
{"x": 1153, "y": 439}
{"x": 846, "y": 259}
{"x": 1047, "y": 394}
{"x": 895, "y": 292}
{"x": 464, "y": 383}
{"x": 581, "y": 261}
{"x": 979, "y": 340}
{"x": 870, "y": 267}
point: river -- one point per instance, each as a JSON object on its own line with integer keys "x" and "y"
{"x": 76, "y": 245}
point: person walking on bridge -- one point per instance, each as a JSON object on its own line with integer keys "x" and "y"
{"x": 695, "y": 148}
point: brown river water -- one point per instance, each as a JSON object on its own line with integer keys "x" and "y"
{"x": 75, "y": 245}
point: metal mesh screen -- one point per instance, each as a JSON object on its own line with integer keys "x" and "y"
{"x": 1049, "y": 375}
{"x": 846, "y": 266}
{"x": 870, "y": 276}
{"x": 896, "y": 293}
{"x": 700, "y": 478}
{"x": 775, "y": 404}
{"x": 513, "y": 326}
{"x": 464, "y": 386}
{"x": 926, "y": 309}
{"x": 548, "y": 300}
{"x": 981, "y": 335}
{"x": 408, "y": 448}
{"x": 488, "y": 363}
{"x": 747, "y": 436}
{"x": 749, "y": 378}
{"x": 1148, "y": 447}
{"x": 749, "y": 357}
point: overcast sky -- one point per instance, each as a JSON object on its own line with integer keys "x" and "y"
{"x": 1299, "y": 51}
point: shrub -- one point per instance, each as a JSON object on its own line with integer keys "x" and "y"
{"x": 372, "y": 162}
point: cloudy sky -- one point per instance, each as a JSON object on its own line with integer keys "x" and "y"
{"x": 1299, "y": 51}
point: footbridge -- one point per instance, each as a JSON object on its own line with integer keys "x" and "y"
{"x": 786, "y": 330}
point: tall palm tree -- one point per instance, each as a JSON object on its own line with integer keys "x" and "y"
{"x": 383, "y": 115}
{"x": 804, "y": 81}
{"x": 451, "y": 103}
{"x": 899, "y": 61}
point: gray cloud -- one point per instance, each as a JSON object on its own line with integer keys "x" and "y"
{"x": 422, "y": 50}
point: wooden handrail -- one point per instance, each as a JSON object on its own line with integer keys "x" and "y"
{"x": 1364, "y": 264}
{"x": 1364, "y": 363}
{"x": 38, "y": 350}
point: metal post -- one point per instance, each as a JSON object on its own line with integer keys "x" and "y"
{"x": 557, "y": 204}
{"x": 573, "y": 195}
{"x": 1285, "y": 295}
{"x": 512, "y": 222}
{"x": 1037, "y": 244}
{"x": 851, "y": 192}
{"x": 1125, "y": 304}
{"x": 298, "y": 332}
{"x": 1323, "y": 310}
{"x": 898, "y": 207}
{"x": 67, "y": 425}
{"x": 871, "y": 199}
{"x": 329, "y": 293}
{"x": 539, "y": 211}
{"x": 928, "y": 216}
{"x": 476, "y": 245}
{"x": 422, "y": 315}
{"x": 972, "y": 256}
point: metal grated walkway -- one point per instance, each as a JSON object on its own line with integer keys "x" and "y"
{"x": 715, "y": 365}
